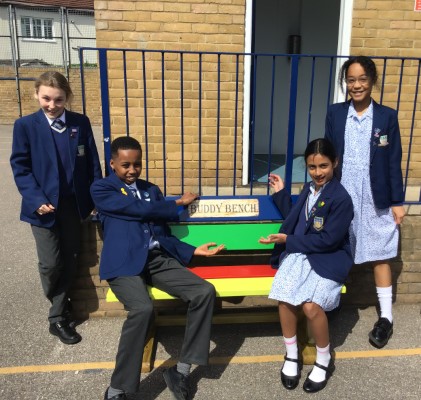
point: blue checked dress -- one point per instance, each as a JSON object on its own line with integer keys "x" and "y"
{"x": 296, "y": 282}
{"x": 373, "y": 233}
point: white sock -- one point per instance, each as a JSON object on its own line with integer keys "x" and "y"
{"x": 291, "y": 368}
{"x": 384, "y": 294}
{"x": 323, "y": 358}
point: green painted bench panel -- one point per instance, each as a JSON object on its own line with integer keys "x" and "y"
{"x": 236, "y": 236}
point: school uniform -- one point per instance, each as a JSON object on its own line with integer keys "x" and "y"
{"x": 370, "y": 154}
{"x": 385, "y": 150}
{"x": 56, "y": 168}
{"x": 316, "y": 258}
{"x": 139, "y": 250}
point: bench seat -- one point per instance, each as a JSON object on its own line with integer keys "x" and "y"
{"x": 225, "y": 287}
{"x": 229, "y": 281}
{"x": 233, "y": 274}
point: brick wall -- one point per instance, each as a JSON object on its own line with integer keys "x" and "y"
{"x": 9, "y": 108}
{"x": 393, "y": 28}
{"x": 380, "y": 28}
{"x": 192, "y": 25}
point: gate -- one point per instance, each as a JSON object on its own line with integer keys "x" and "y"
{"x": 201, "y": 121}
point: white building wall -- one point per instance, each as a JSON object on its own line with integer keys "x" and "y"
{"x": 81, "y": 31}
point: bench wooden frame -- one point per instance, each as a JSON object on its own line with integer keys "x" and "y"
{"x": 230, "y": 277}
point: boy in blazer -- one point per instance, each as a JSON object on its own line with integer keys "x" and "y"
{"x": 139, "y": 250}
{"x": 54, "y": 161}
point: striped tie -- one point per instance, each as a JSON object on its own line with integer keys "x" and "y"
{"x": 58, "y": 125}
{"x": 134, "y": 192}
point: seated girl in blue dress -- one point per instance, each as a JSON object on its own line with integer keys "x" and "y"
{"x": 313, "y": 257}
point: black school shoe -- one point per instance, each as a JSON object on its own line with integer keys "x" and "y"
{"x": 65, "y": 333}
{"x": 381, "y": 333}
{"x": 291, "y": 382}
{"x": 177, "y": 383}
{"x": 310, "y": 386}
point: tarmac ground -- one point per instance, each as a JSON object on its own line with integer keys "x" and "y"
{"x": 245, "y": 359}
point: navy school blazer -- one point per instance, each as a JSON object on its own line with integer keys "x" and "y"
{"x": 127, "y": 222}
{"x": 385, "y": 160}
{"x": 326, "y": 238}
{"x": 34, "y": 164}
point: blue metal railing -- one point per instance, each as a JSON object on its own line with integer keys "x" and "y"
{"x": 283, "y": 118}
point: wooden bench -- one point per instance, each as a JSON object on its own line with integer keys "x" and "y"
{"x": 241, "y": 270}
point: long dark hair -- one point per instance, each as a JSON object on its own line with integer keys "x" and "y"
{"x": 321, "y": 146}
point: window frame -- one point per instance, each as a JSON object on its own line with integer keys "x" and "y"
{"x": 39, "y": 29}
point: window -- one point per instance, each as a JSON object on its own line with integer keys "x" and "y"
{"x": 36, "y": 28}
{"x": 26, "y": 27}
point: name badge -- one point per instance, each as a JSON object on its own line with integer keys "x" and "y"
{"x": 81, "y": 150}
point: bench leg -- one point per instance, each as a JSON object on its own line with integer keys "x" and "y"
{"x": 149, "y": 350}
{"x": 305, "y": 341}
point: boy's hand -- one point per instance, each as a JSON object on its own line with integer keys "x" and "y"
{"x": 204, "y": 249}
{"x": 276, "y": 182}
{"x": 275, "y": 238}
{"x": 186, "y": 199}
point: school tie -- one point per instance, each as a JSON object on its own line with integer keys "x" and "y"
{"x": 134, "y": 192}
{"x": 58, "y": 125}
{"x": 153, "y": 243}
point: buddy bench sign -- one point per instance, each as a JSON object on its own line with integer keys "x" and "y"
{"x": 224, "y": 208}
{"x": 232, "y": 208}
{"x": 236, "y": 221}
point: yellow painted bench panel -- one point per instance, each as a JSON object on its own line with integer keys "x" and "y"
{"x": 225, "y": 287}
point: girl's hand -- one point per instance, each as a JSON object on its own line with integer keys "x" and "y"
{"x": 276, "y": 182}
{"x": 398, "y": 214}
{"x": 275, "y": 238}
{"x": 204, "y": 249}
{"x": 45, "y": 209}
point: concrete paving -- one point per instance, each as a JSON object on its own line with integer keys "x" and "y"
{"x": 245, "y": 358}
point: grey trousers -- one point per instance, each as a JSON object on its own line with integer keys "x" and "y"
{"x": 166, "y": 273}
{"x": 57, "y": 249}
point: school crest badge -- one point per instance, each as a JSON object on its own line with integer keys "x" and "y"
{"x": 318, "y": 223}
{"x": 383, "y": 140}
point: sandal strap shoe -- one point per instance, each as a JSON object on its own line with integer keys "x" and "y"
{"x": 291, "y": 382}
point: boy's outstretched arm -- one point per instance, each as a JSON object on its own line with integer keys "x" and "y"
{"x": 186, "y": 199}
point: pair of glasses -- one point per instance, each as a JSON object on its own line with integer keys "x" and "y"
{"x": 364, "y": 80}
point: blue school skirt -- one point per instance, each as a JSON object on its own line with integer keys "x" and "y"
{"x": 296, "y": 283}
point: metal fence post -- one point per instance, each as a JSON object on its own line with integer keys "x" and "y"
{"x": 291, "y": 121}
{"x": 105, "y": 100}
{"x": 14, "y": 48}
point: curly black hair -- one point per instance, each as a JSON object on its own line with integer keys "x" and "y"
{"x": 124, "y": 143}
{"x": 366, "y": 62}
